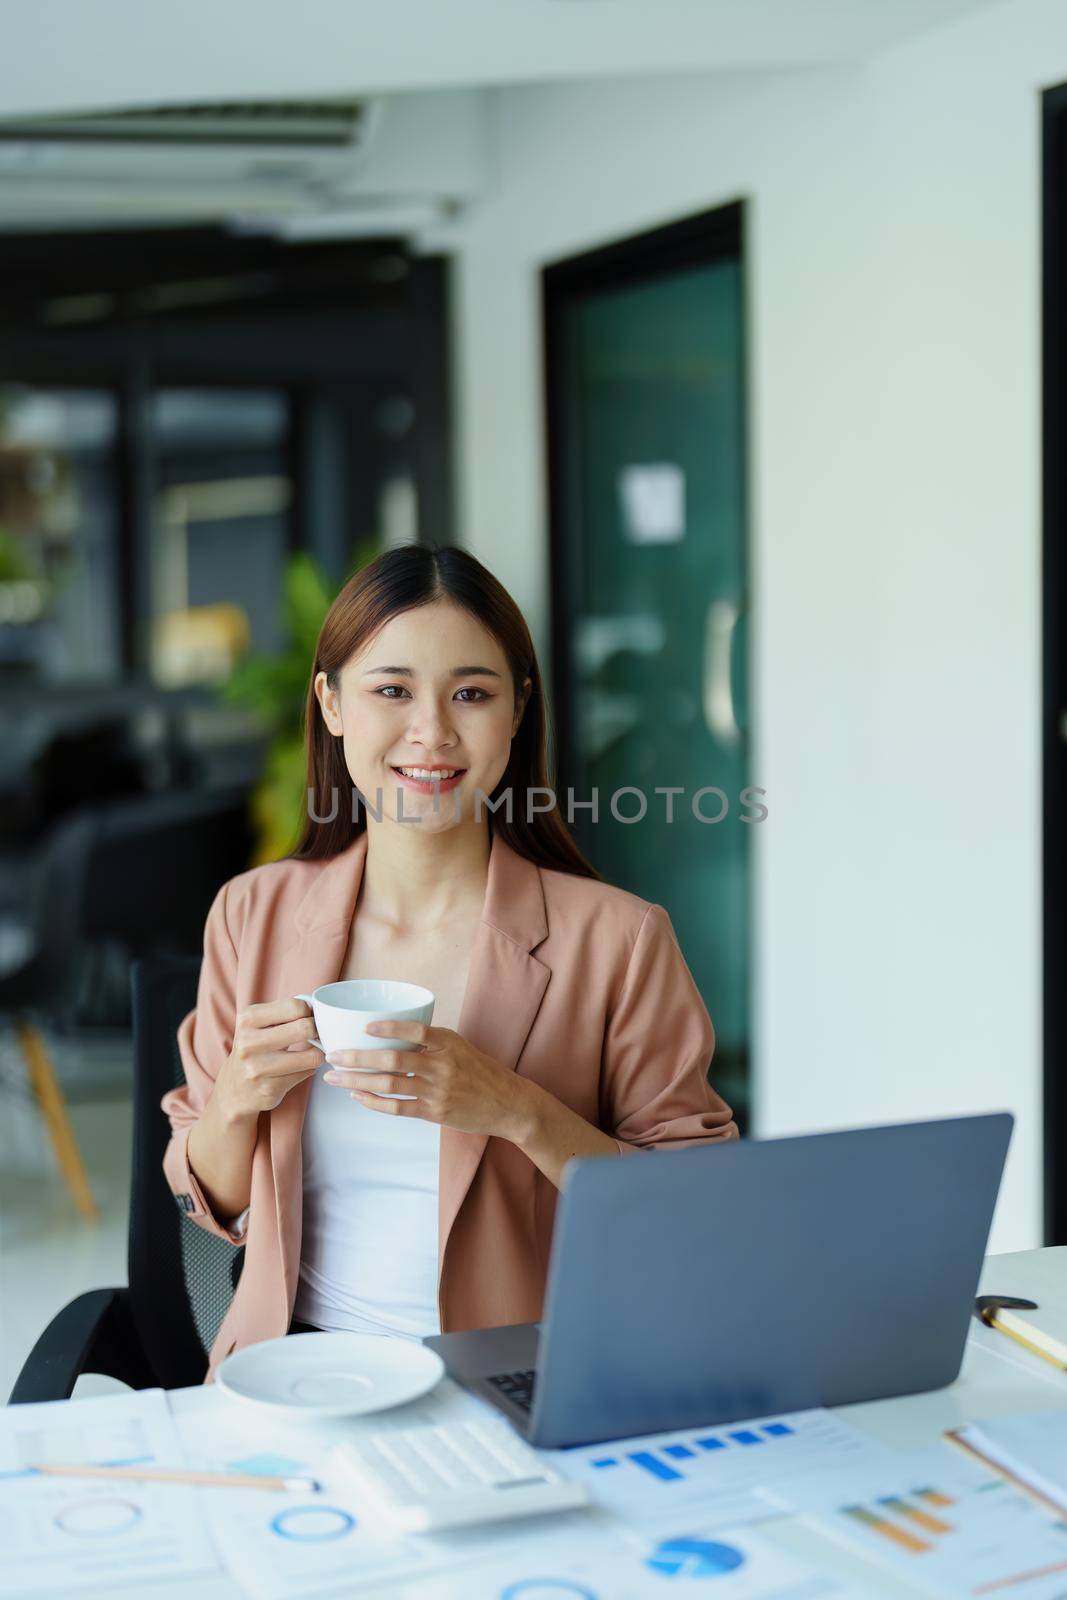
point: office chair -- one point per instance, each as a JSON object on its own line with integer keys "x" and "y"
{"x": 157, "y": 864}
{"x": 159, "y": 1328}
{"x": 45, "y": 983}
{"x": 140, "y": 872}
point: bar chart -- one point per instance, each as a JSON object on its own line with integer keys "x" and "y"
{"x": 936, "y": 1516}
{"x": 911, "y": 1521}
{"x": 665, "y": 1464}
{"x": 657, "y": 1480}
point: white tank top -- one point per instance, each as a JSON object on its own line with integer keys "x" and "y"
{"x": 368, "y": 1255}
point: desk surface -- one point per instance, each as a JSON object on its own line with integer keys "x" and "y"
{"x": 998, "y": 1377}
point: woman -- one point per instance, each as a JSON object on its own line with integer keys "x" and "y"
{"x": 566, "y": 1023}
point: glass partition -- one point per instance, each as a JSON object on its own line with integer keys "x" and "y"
{"x": 59, "y": 536}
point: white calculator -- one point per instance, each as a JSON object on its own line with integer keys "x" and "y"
{"x": 425, "y": 1478}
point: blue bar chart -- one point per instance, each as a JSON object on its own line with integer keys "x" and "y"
{"x": 661, "y": 1464}
{"x": 658, "y": 1480}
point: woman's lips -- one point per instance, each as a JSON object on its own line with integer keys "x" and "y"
{"x": 428, "y": 786}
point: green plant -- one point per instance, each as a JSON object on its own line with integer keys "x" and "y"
{"x": 274, "y": 688}
{"x": 13, "y": 560}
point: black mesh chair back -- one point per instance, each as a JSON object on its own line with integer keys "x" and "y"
{"x": 157, "y": 863}
{"x": 85, "y": 766}
{"x": 181, "y": 1278}
{"x": 56, "y": 916}
{"x": 140, "y": 872}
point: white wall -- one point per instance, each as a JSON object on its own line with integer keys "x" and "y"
{"x": 64, "y": 55}
{"x": 894, "y": 303}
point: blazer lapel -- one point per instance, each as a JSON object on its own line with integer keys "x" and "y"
{"x": 505, "y": 986}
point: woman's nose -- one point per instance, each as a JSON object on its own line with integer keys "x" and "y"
{"x": 431, "y": 727}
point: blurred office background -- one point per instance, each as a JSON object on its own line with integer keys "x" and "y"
{"x": 715, "y": 330}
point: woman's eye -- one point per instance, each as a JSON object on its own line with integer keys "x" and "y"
{"x": 385, "y": 692}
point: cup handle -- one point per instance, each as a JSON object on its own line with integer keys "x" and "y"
{"x": 317, "y": 1043}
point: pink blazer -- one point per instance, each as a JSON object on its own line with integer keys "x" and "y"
{"x": 577, "y": 984}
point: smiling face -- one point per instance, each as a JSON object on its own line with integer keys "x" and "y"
{"x": 431, "y": 690}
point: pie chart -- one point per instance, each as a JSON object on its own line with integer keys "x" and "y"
{"x": 98, "y": 1517}
{"x": 313, "y": 1524}
{"x": 694, "y": 1558}
{"x": 547, "y": 1589}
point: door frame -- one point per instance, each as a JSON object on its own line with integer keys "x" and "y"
{"x": 699, "y": 240}
{"x": 1054, "y": 658}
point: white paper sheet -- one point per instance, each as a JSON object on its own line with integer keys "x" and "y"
{"x": 937, "y": 1518}
{"x": 737, "y": 1565}
{"x": 1031, "y": 1445}
{"x": 73, "y": 1534}
{"x": 662, "y": 1480}
{"x": 281, "y": 1546}
{"x": 278, "y": 1545}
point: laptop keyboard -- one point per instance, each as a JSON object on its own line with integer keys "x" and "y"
{"x": 518, "y": 1386}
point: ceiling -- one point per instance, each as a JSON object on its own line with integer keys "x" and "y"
{"x": 66, "y": 54}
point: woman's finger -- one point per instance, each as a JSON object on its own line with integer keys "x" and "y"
{"x": 418, "y": 1032}
{"x": 285, "y": 1062}
{"x": 371, "y": 1060}
{"x": 374, "y": 1082}
{"x": 392, "y": 1108}
{"x": 283, "y": 1033}
{"x": 266, "y": 1013}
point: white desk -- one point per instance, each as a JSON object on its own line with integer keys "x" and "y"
{"x": 998, "y": 1376}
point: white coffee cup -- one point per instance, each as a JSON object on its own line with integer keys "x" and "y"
{"x": 342, "y": 1011}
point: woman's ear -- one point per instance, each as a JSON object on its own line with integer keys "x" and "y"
{"x": 329, "y": 704}
{"x": 524, "y": 693}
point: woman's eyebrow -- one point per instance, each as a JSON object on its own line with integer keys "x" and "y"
{"x": 457, "y": 672}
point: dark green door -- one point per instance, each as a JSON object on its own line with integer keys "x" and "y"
{"x": 646, "y": 384}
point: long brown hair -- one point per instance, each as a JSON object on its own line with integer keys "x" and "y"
{"x": 398, "y": 580}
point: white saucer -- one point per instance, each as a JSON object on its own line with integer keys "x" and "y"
{"x": 331, "y": 1374}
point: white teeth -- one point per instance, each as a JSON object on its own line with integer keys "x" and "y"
{"x": 426, "y": 774}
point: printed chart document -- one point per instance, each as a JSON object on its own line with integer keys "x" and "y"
{"x": 74, "y": 1534}
{"x": 659, "y": 1480}
{"x": 737, "y": 1564}
{"x": 281, "y": 1546}
{"x": 947, "y": 1524}
{"x": 1029, "y": 1449}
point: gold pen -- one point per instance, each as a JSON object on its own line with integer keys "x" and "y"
{"x": 228, "y": 1480}
{"x": 998, "y": 1311}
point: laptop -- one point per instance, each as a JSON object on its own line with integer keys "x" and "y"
{"x": 703, "y": 1285}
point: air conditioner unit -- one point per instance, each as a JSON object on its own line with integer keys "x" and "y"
{"x": 375, "y": 159}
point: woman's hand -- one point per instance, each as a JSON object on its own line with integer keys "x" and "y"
{"x": 454, "y": 1083}
{"x": 262, "y": 1066}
